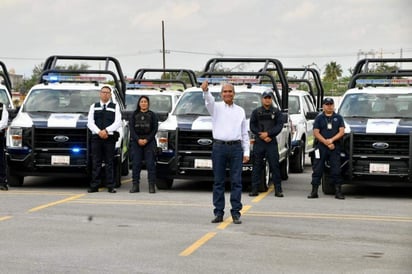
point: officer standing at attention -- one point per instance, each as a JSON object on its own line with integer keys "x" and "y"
{"x": 230, "y": 149}
{"x": 266, "y": 123}
{"x": 328, "y": 129}
{"x": 103, "y": 121}
{"x": 143, "y": 128}
{"x": 4, "y": 118}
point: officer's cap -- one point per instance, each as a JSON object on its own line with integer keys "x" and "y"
{"x": 266, "y": 94}
{"x": 328, "y": 101}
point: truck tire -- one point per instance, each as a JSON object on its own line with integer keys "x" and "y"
{"x": 163, "y": 183}
{"x": 14, "y": 180}
{"x": 328, "y": 187}
{"x": 265, "y": 178}
{"x": 297, "y": 162}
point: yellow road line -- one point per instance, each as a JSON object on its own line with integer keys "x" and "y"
{"x": 5, "y": 218}
{"x": 228, "y": 221}
{"x": 195, "y": 246}
{"x": 331, "y": 216}
{"x": 263, "y": 195}
{"x": 56, "y": 203}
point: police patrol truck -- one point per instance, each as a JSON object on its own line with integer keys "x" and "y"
{"x": 49, "y": 135}
{"x": 377, "y": 109}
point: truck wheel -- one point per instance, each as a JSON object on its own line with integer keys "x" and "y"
{"x": 265, "y": 178}
{"x": 328, "y": 187}
{"x": 297, "y": 162}
{"x": 163, "y": 183}
{"x": 14, "y": 180}
{"x": 284, "y": 168}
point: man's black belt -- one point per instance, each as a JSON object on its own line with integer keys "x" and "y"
{"x": 220, "y": 142}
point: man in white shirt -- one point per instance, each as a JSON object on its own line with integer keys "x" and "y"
{"x": 230, "y": 149}
{"x": 103, "y": 121}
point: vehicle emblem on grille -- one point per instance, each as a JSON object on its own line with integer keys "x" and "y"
{"x": 380, "y": 145}
{"x": 61, "y": 138}
{"x": 204, "y": 142}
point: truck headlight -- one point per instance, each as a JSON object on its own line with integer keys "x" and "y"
{"x": 16, "y": 137}
{"x": 163, "y": 140}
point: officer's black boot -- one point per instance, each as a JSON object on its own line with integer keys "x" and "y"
{"x": 135, "y": 188}
{"x": 254, "y": 192}
{"x": 152, "y": 188}
{"x": 314, "y": 193}
{"x": 278, "y": 191}
{"x": 338, "y": 192}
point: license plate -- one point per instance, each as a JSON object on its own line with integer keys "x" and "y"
{"x": 60, "y": 160}
{"x": 379, "y": 168}
{"x": 203, "y": 163}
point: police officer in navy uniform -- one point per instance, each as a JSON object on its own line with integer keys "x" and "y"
{"x": 266, "y": 123}
{"x": 103, "y": 121}
{"x": 4, "y": 118}
{"x": 144, "y": 125}
{"x": 328, "y": 129}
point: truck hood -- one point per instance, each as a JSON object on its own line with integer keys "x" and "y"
{"x": 44, "y": 119}
{"x": 384, "y": 125}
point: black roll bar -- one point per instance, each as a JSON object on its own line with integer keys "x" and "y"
{"x": 5, "y": 75}
{"x": 283, "y": 99}
{"x": 362, "y": 64}
{"x": 50, "y": 64}
{"x": 139, "y": 74}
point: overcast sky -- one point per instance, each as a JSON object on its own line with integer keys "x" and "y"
{"x": 297, "y": 32}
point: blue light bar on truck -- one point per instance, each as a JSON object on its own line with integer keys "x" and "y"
{"x": 392, "y": 82}
{"x": 54, "y": 78}
{"x": 147, "y": 85}
{"x": 222, "y": 80}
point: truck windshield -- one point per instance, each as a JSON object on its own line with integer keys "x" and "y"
{"x": 192, "y": 103}
{"x": 377, "y": 105}
{"x": 158, "y": 102}
{"x": 4, "y": 98}
{"x": 62, "y": 101}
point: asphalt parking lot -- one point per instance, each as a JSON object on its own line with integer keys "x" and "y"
{"x": 52, "y": 225}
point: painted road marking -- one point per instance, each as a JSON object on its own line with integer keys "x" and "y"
{"x": 74, "y": 197}
{"x": 4, "y": 218}
{"x": 196, "y": 245}
{"x": 304, "y": 215}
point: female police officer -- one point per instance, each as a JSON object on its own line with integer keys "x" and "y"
{"x": 144, "y": 124}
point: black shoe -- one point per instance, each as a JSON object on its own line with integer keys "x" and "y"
{"x": 314, "y": 193}
{"x": 4, "y": 187}
{"x": 278, "y": 191}
{"x": 111, "y": 190}
{"x": 236, "y": 220}
{"x": 135, "y": 188}
{"x": 217, "y": 219}
{"x": 338, "y": 192}
{"x": 152, "y": 188}
{"x": 93, "y": 189}
{"x": 253, "y": 193}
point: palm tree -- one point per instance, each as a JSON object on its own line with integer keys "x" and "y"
{"x": 332, "y": 71}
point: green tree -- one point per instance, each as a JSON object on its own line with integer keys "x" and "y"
{"x": 332, "y": 72}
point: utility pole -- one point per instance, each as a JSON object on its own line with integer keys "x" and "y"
{"x": 163, "y": 48}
